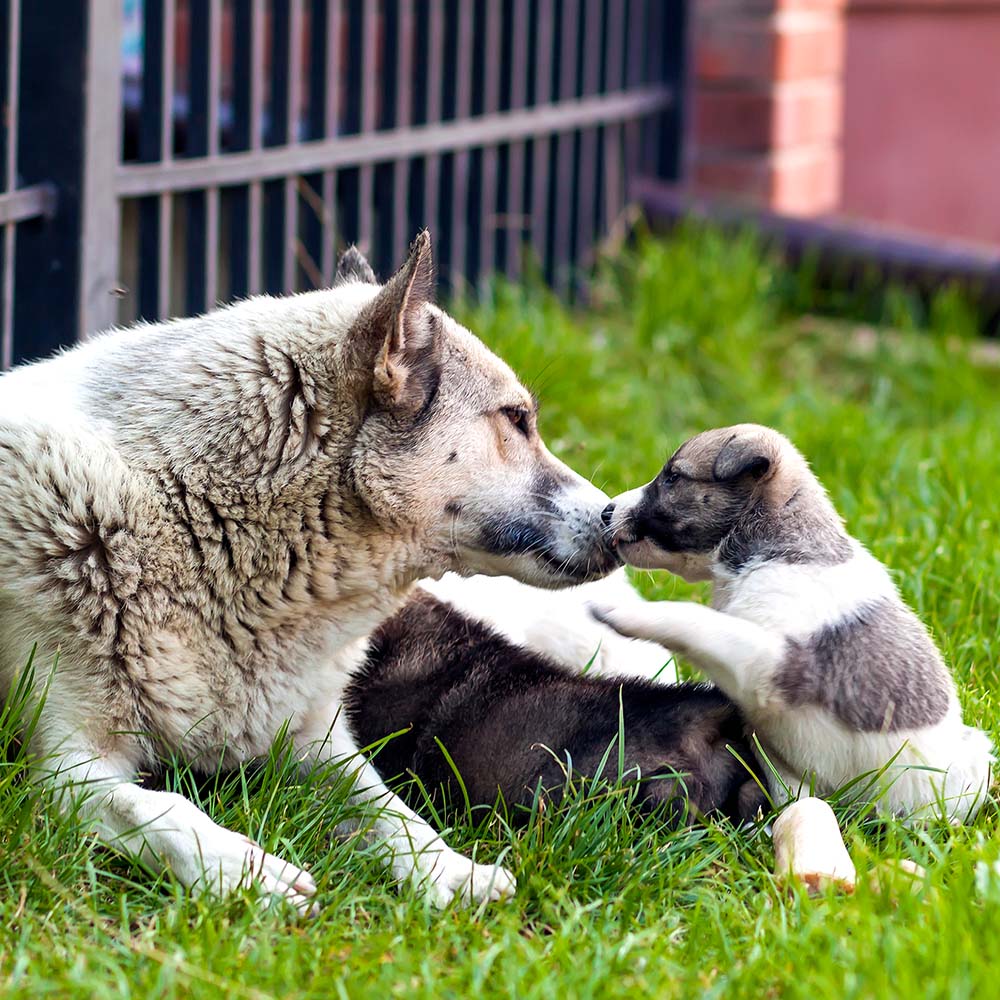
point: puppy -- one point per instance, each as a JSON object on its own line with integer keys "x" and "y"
{"x": 512, "y": 721}
{"x": 808, "y": 635}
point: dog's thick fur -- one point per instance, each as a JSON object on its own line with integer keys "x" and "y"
{"x": 809, "y": 635}
{"x": 204, "y": 520}
{"x": 466, "y": 702}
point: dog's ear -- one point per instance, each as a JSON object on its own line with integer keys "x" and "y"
{"x": 397, "y": 334}
{"x": 746, "y": 453}
{"x": 353, "y": 266}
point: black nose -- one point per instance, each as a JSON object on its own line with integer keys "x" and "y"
{"x": 607, "y": 514}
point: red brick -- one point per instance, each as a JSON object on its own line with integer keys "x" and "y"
{"x": 734, "y": 49}
{"x": 823, "y": 5}
{"x": 745, "y": 177}
{"x": 804, "y": 113}
{"x": 809, "y": 51}
{"x": 721, "y": 7}
{"x": 807, "y": 182}
{"x": 732, "y": 118}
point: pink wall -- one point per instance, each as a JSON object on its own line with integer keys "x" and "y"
{"x": 921, "y": 129}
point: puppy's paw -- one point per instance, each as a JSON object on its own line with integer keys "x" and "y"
{"x": 454, "y": 878}
{"x": 231, "y": 861}
{"x": 601, "y": 611}
{"x": 608, "y": 614}
{"x": 644, "y": 620}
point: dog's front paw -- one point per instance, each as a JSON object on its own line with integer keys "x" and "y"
{"x": 231, "y": 861}
{"x": 452, "y": 877}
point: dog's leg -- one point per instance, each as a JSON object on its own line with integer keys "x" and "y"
{"x": 740, "y": 657}
{"x": 165, "y": 830}
{"x": 414, "y": 851}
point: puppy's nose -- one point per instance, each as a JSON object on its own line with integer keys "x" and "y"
{"x": 607, "y": 514}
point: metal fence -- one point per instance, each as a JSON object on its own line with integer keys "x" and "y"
{"x": 160, "y": 156}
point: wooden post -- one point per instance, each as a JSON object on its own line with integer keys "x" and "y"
{"x": 100, "y": 222}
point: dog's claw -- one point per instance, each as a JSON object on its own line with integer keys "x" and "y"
{"x": 279, "y": 880}
{"x": 236, "y": 862}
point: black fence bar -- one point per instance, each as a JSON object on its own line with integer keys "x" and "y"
{"x": 348, "y": 181}
{"x": 10, "y": 48}
{"x": 9, "y": 51}
{"x": 236, "y": 200}
{"x": 272, "y": 239}
{"x": 197, "y": 145}
{"x": 50, "y": 149}
{"x": 154, "y": 105}
{"x": 500, "y": 208}
{"x": 672, "y": 35}
{"x": 387, "y": 117}
{"x": 313, "y": 208}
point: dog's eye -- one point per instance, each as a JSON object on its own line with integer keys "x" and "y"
{"x": 519, "y": 417}
{"x": 669, "y": 478}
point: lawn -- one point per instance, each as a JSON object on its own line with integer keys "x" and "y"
{"x": 902, "y": 422}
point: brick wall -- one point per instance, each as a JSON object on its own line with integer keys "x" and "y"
{"x": 882, "y": 110}
{"x": 922, "y": 116}
{"x": 766, "y": 102}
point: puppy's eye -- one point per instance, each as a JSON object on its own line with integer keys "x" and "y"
{"x": 519, "y": 417}
{"x": 669, "y": 478}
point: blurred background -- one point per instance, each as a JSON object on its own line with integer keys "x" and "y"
{"x": 161, "y": 156}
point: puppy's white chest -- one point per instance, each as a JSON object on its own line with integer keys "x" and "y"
{"x": 798, "y": 600}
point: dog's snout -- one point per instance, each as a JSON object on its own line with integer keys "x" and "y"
{"x": 607, "y": 514}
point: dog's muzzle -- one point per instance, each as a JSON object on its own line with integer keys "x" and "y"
{"x": 620, "y": 534}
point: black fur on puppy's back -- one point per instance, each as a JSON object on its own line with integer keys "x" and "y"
{"x": 508, "y": 717}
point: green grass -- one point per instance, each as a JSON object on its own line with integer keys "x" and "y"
{"x": 902, "y": 424}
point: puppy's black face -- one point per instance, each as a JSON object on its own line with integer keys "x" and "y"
{"x": 682, "y": 513}
{"x": 678, "y": 520}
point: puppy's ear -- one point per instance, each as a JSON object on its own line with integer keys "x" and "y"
{"x": 353, "y": 266}
{"x": 746, "y": 453}
{"x": 400, "y": 334}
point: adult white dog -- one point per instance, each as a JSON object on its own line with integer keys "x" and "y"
{"x": 203, "y": 520}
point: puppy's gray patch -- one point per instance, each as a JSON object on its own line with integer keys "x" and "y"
{"x": 799, "y": 532}
{"x": 876, "y": 670}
